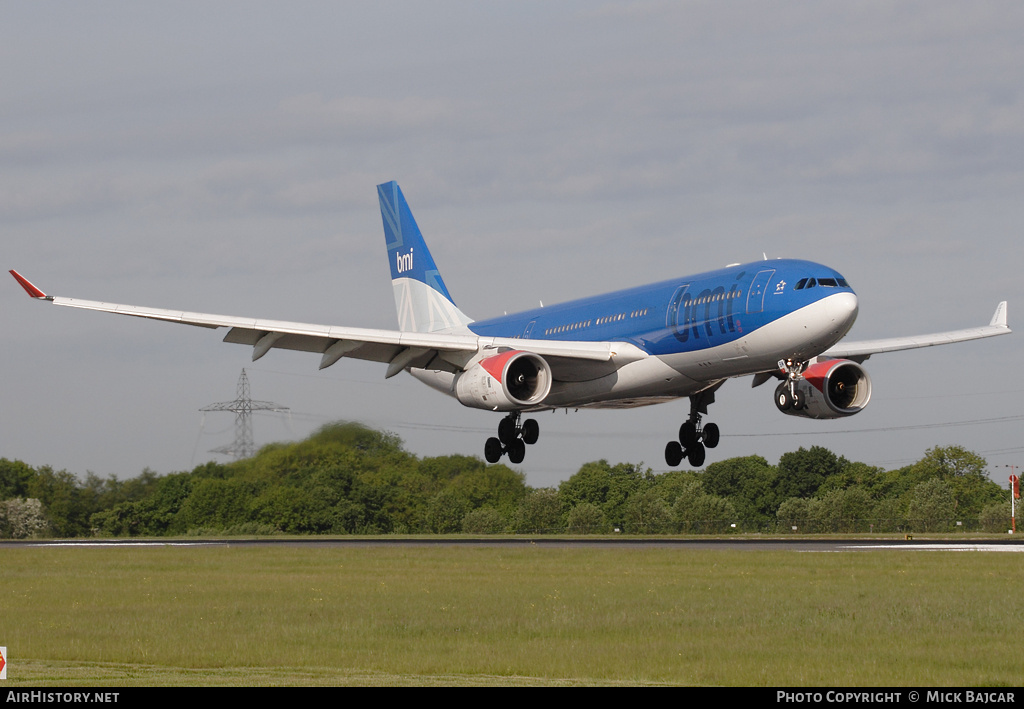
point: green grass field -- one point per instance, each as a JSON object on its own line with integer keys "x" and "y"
{"x": 508, "y": 615}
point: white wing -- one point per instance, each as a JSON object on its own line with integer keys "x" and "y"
{"x": 860, "y": 351}
{"x": 446, "y": 352}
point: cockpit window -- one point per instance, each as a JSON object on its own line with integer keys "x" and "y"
{"x": 824, "y": 282}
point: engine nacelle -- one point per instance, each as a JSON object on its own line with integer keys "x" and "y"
{"x": 505, "y": 382}
{"x": 828, "y": 390}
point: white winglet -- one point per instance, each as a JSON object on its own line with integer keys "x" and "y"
{"x": 999, "y": 318}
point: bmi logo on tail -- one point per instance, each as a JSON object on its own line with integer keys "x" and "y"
{"x": 404, "y": 261}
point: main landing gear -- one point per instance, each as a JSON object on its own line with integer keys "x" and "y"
{"x": 694, "y": 439}
{"x": 512, "y": 439}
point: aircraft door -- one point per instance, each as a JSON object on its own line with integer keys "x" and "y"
{"x": 675, "y": 317}
{"x": 755, "y": 297}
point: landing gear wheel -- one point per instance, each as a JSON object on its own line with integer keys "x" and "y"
{"x": 688, "y": 434}
{"x": 507, "y": 430}
{"x": 531, "y": 431}
{"x": 493, "y": 450}
{"x": 798, "y": 400}
{"x": 516, "y": 451}
{"x": 695, "y": 456}
{"x": 673, "y": 454}
{"x": 783, "y": 399}
{"x": 695, "y": 439}
{"x": 711, "y": 435}
{"x": 512, "y": 439}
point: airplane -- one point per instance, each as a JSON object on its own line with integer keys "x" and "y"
{"x": 778, "y": 320}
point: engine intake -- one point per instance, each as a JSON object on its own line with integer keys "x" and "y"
{"x": 509, "y": 381}
{"x": 830, "y": 389}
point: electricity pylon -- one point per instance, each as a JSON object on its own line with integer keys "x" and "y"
{"x": 243, "y": 406}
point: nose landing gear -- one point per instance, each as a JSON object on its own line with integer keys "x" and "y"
{"x": 512, "y": 439}
{"x": 787, "y": 396}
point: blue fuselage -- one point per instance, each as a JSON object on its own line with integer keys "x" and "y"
{"x": 680, "y": 315}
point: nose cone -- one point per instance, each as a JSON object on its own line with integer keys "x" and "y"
{"x": 842, "y": 311}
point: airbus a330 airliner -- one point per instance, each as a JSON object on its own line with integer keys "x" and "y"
{"x": 684, "y": 337}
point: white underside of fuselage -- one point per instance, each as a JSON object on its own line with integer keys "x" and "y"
{"x": 800, "y": 335}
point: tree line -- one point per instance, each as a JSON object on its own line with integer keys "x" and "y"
{"x": 350, "y": 479}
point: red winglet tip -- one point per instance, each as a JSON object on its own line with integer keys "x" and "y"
{"x": 27, "y": 285}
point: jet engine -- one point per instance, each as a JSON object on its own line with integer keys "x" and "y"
{"x": 509, "y": 381}
{"x": 827, "y": 390}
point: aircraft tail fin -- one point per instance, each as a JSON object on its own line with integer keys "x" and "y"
{"x": 421, "y": 297}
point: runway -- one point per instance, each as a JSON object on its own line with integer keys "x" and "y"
{"x": 836, "y": 545}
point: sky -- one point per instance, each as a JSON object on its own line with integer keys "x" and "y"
{"x": 223, "y": 157}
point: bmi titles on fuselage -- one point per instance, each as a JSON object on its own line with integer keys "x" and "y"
{"x": 686, "y": 306}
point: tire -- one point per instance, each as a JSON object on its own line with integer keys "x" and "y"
{"x": 493, "y": 450}
{"x": 711, "y": 435}
{"x": 783, "y": 400}
{"x": 695, "y": 456}
{"x": 688, "y": 434}
{"x": 531, "y": 431}
{"x": 673, "y": 454}
{"x": 507, "y": 431}
{"x": 517, "y": 451}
